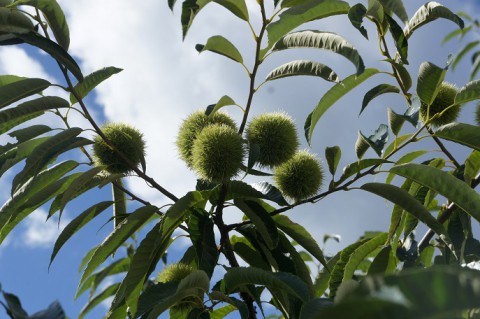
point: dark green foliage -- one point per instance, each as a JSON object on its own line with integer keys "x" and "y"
{"x": 444, "y": 104}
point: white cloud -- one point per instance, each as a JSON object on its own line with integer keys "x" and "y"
{"x": 39, "y": 233}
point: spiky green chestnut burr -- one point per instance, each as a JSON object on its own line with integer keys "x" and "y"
{"x": 276, "y": 136}
{"x": 217, "y": 153}
{"x": 127, "y": 140}
{"x": 300, "y": 177}
{"x": 192, "y": 126}
{"x": 445, "y": 98}
{"x": 175, "y": 273}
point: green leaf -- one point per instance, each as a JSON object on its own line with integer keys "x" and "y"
{"x": 395, "y": 121}
{"x": 125, "y": 229}
{"x": 403, "y": 199}
{"x": 467, "y": 48}
{"x": 358, "y": 166}
{"x": 472, "y": 167}
{"x": 190, "y": 8}
{"x": 120, "y": 202}
{"x": 92, "y": 303}
{"x": 224, "y": 101}
{"x": 28, "y": 110}
{"x": 299, "y": 14}
{"x": 321, "y": 40}
{"x": 298, "y": 233}
{"x": 303, "y": 67}
{"x": 356, "y": 15}
{"x": 237, "y": 7}
{"x": 55, "y": 18}
{"x": 401, "y": 42}
{"x": 403, "y": 74}
{"x": 222, "y": 46}
{"x": 361, "y": 145}
{"x": 14, "y": 21}
{"x": 333, "y": 155}
{"x": 14, "y": 306}
{"x": 332, "y": 96}
{"x": 443, "y": 183}
{"x": 454, "y": 33}
{"x": 54, "y": 50}
{"x": 378, "y": 139}
{"x": 377, "y": 91}
{"x": 462, "y": 133}
{"x": 242, "y": 190}
{"x": 321, "y": 282}
{"x": 45, "y": 152}
{"x": 243, "y": 248}
{"x": 91, "y": 81}
{"x": 407, "y": 158}
{"x": 428, "y": 13}
{"x": 160, "y": 297}
{"x": 430, "y": 77}
{"x": 396, "y": 6}
{"x": 222, "y": 312}
{"x": 270, "y": 192}
{"x": 470, "y": 92}
{"x": 361, "y": 253}
{"x": 20, "y": 89}
{"x": 261, "y": 219}
{"x": 238, "y": 277}
{"x": 177, "y": 212}
{"x": 29, "y": 132}
{"x": 384, "y": 262}
{"x": 241, "y": 306}
{"x": 76, "y": 224}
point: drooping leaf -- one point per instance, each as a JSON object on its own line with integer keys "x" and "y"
{"x": 395, "y": 121}
{"x": 190, "y": 8}
{"x": 430, "y": 77}
{"x": 333, "y": 155}
{"x": 401, "y": 42}
{"x": 55, "y": 18}
{"x": 303, "y": 67}
{"x": 222, "y": 46}
{"x": 261, "y": 219}
{"x": 298, "y": 233}
{"x": 95, "y": 301}
{"x": 331, "y": 97}
{"x": 124, "y": 230}
{"x": 224, "y": 101}
{"x": 356, "y": 15}
{"x": 237, "y": 7}
{"x": 361, "y": 253}
{"x": 428, "y": 13}
{"x": 443, "y": 183}
{"x": 402, "y": 198}
{"x": 91, "y": 81}
{"x": 299, "y": 14}
{"x": 321, "y": 40}
{"x": 462, "y": 133}
{"x": 396, "y": 6}
{"x": 76, "y": 224}
{"x": 361, "y": 145}
{"x": 377, "y": 91}
{"x": 470, "y": 92}
{"x": 20, "y": 89}
{"x": 237, "y": 277}
{"x": 358, "y": 166}
{"x": 54, "y": 50}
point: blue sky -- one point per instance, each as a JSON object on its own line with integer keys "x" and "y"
{"x": 165, "y": 79}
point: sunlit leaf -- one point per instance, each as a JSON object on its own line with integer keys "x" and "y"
{"x": 470, "y": 92}
{"x": 395, "y": 121}
{"x": 98, "y": 299}
{"x": 377, "y": 91}
{"x": 356, "y": 15}
{"x": 303, "y": 67}
{"x": 222, "y": 46}
{"x": 20, "y": 89}
{"x": 358, "y": 166}
{"x": 462, "y": 133}
{"x": 91, "y": 81}
{"x": 190, "y": 8}
{"x": 407, "y": 158}
{"x": 430, "y": 77}
{"x": 237, "y": 7}
{"x": 333, "y": 155}
{"x": 467, "y": 48}
{"x": 224, "y": 101}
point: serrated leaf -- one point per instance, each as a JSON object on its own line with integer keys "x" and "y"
{"x": 356, "y": 15}
{"x": 237, "y": 7}
{"x": 298, "y": 233}
{"x": 358, "y": 166}
{"x": 54, "y": 50}
{"x": 291, "y": 284}
{"x": 222, "y": 46}
{"x": 333, "y": 155}
{"x": 303, "y": 67}
{"x": 298, "y": 15}
{"x": 331, "y": 97}
{"x": 430, "y": 77}
{"x": 20, "y": 89}
{"x": 443, "y": 183}
{"x": 377, "y": 91}
{"x": 470, "y": 92}
{"x": 270, "y": 192}
{"x": 461, "y": 133}
{"x": 76, "y": 224}
{"x": 262, "y": 220}
{"x": 321, "y": 40}
{"x": 95, "y": 301}
{"x": 224, "y": 101}
{"x": 430, "y": 12}
{"x": 361, "y": 253}
{"x": 401, "y": 42}
{"x": 395, "y": 121}
{"x": 403, "y": 199}
{"x": 125, "y": 229}
{"x": 55, "y": 18}
{"x": 91, "y": 81}
{"x": 407, "y": 158}
{"x": 396, "y": 6}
